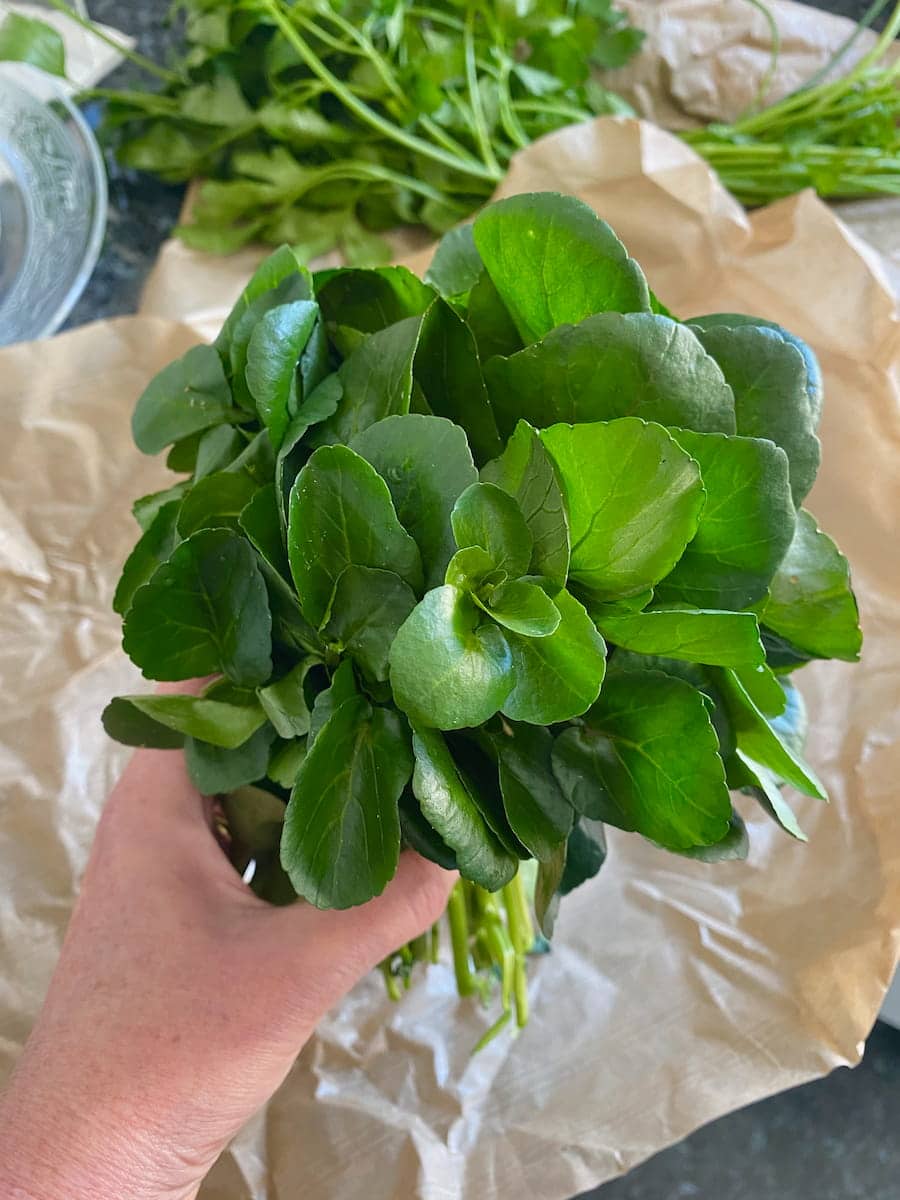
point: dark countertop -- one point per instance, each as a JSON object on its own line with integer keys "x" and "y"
{"x": 836, "y": 1139}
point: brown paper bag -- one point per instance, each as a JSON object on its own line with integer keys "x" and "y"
{"x": 675, "y": 991}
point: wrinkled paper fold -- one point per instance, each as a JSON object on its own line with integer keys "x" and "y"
{"x": 676, "y": 991}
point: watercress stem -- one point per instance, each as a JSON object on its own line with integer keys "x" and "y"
{"x": 458, "y": 919}
{"x": 139, "y": 60}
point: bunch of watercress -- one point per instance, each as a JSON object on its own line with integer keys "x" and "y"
{"x": 323, "y": 122}
{"x": 481, "y": 564}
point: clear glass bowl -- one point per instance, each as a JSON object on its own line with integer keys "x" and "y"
{"x": 52, "y": 203}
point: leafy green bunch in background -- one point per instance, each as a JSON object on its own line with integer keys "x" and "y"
{"x": 322, "y": 122}
{"x": 481, "y": 564}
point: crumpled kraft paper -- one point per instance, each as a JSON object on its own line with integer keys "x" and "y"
{"x": 675, "y": 991}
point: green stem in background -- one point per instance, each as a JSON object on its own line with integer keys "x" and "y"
{"x": 871, "y": 14}
{"x": 765, "y": 82}
{"x": 139, "y": 60}
{"x": 482, "y": 133}
{"x": 368, "y": 115}
{"x": 434, "y": 947}
{"x": 518, "y": 914}
{"x": 390, "y": 980}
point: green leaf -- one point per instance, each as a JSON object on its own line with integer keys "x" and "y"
{"x": 554, "y": 261}
{"x": 448, "y": 371}
{"x": 146, "y": 508}
{"x": 154, "y": 547}
{"x": 215, "y": 502}
{"x": 376, "y": 380}
{"x": 585, "y": 855}
{"x": 646, "y": 759}
{"x": 770, "y": 384}
{"x": 341, "y": 512}
{"x": 273, "y": 356}
{"x": 522, "y": 607}
{"x": 215, "y": 770}
{"x": 526, "y": 471}
{"x": 426, "y": 463}
{"x": 556, "y": 677}
{"x": 371, "y": 300}
{"x": 255, "y": 818}
{"x": 538, "y": 813}
{"x": 367, "y": 610}
{"x": 261, "y": 522}
{"x": 734, "y": 846}
{"x": 285, "y": 762}
{"x": 217, "y": 449}
{"x": 188, "y": 395}
{"x": 226, "y": 725}
{"x": 634, "y": 499}
{"x": 125, "y": 723}
{"x": 203, "y": 612}
{"x": 294, "y": 451}
{"x": 489, "y": 320}
{"x": 284, "y": 701}
{"x": 28, "y": 40}
{"x": 810, "y": 601}
{"x": 294, "y": 288}
{"x": 486, "y": 516}
{"x": 282, "y": 264}
{"x": 763, "y": 688}
{"x": 762, "y": 784}
{"x": 342, "y": 687}
{"x": 419, "y": 835}
{"x": 815, "y": 387}
{"x": 450, "y": 667}
{"x": 471, "y": 568}
{"x": 725, "y": 639}
{"x": 341, "y": 840}
{"x": 652, "y": 367}
{"x": 758, "y": 740}
{"x": 456, "y": 266}
{"x": 451, "y": 807}
{"x": 546, "y": 900}
{"x": 746, "y": 525}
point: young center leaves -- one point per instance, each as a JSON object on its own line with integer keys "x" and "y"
{"x": 480, "y": 565}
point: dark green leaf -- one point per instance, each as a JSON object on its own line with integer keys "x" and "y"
{"x": 127, "y": 724}
{"x": 553, "y": 261}
{"x": 456, "y": 266}
{"x": 217, "y": 449}
{"x": 341, "y": 840}
{"x": 426, "y": 463}
{"x": 450, "y": 666}
{"x": 146, "y": 508}
{"x": 451, "y": 808}
{"x": 538, "y": 813}
{"x": 770, "y": 384}
{"x": 215, "y": 771}
{"x": 810, "y": 601}
{"x": 418, "y": 834}
{"x": 255, "y": 818}
{"x": 280, "y": 265}
{"x": 634, "y": 499}
{"x": 225, "y": 725}
{"x": 449, "y": 373}
{"x": 376, "y": 381}
{"x": 215, "y": 502}
{"x": 294, "y": 451}
{"x": 759, "y": 741}
{"x": 523, "y": 607}
{"x": 371, "y": 300}
{"x": 526, "y": 471}
{"x": 150, "y": 552}
{"x": 546, "y": 899}
{"x": 556, "y": 677}
{"x": 28, "y": 40}
{"x": 188, "y": 395}
{"x": 735, "y": 845}
{"x": 613, "y": 365}
{"x": 585, "y": 855}
{"x": 489, "y": 320}
{"x": 261, "y": 522}
{"x": 367, "y": 610}
{"x": 285, "y": 704}
{"x": 203, "y": 612}
{"x": 726, "y": 639}
{"x": 646, "y": 759}
{"x": 746, "y": 525}
{"x": 285, "y": 762}
{"x": 486, "y": 516}
{"x": 341, "y": 512}
{"x": 273, "y": 356}
{"x": 342, "y": 687}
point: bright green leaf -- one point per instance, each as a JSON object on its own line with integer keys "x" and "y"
{"x": 726, "y": 639}
{"x": 367, "y": 610}
{"x": 215, "y": 502}
{"x": 538, "y": 813}
{"x": 486, "y": 516}
{"x": 524, "y": 608}
{"x": 188, "y": 395}
{"x": 273, "y": 356}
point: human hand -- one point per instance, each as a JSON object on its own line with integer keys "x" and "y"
{"x": 180, "y": 1000}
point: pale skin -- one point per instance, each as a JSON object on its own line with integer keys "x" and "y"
{"x": 180, "y": 1001}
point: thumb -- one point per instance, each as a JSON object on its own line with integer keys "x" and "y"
{"x": 345, "y": 945}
